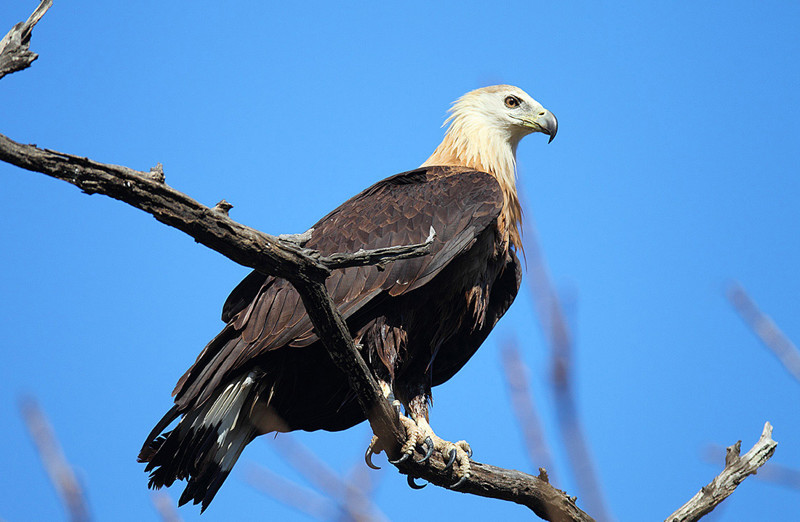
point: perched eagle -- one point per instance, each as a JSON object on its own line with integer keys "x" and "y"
{"x": 417, "y": 322}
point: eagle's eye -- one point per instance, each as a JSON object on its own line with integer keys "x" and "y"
{"x": 512, "y": 102}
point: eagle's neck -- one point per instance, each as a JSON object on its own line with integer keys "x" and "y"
{"x": 491, "y": 152}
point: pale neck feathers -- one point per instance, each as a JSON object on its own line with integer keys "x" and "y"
{"x": 471, "y": 142}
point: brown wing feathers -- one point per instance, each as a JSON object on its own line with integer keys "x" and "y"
{"x": 459, "y": 203}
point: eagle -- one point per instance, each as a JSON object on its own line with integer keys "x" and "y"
{"x": 417, "y": 321}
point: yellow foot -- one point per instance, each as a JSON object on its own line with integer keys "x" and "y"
{"x": 419, "y": 434}
{"x": 408, "y": 448}
{"x": 457, "y": 453}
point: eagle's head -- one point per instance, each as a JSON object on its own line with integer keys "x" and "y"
{"x": 485, "y": 126}
{"x": 501, "y": 109}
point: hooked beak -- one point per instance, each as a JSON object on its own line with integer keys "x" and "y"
{"x": 546, "y": 123}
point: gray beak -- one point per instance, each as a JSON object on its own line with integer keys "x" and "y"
{"x": 548, "y": 123}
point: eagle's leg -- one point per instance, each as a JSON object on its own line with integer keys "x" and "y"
{"x": 374, "y": 444}
{"x": 421, "y": 434}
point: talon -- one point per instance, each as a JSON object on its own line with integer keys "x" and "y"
{"x": 466, "y": 447}
{"x": 372, "y": 449}
{"x": 401, "y": 459}
{"x": 451, "y": 460}
{"x": 428, "y": 443}
{"x": 414, "y": 485}
{"x": 368, "y": 458}
{"x": 460, "y": 481}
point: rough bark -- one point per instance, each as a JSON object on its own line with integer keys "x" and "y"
{"x": 15, "y": 53}
{"x": 737, "y": 468}
{"x": 306, "y": 270}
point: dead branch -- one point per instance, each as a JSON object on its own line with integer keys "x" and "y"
{"x": 15, "y": 54}
{"x": 737, "y": 468}
{"x": 771, "y": 472}
{"x": 766, "y": 329}
{"x": 55, "y": 463}
{"x": 267, "y": 254}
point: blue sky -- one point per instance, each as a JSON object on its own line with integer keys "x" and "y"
{"x": 674, "y": 172}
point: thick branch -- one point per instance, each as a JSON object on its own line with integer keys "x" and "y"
{"x": 307, "y": 272}
{"x": 15, "y": 54}
{"x": 737, "y": 468}
{"x": 284, "y": 259}
{"x": 511, "y": 485}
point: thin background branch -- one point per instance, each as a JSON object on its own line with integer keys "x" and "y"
{"x": 287, "y": 492}
{"x": 165, "y": 507}
{"x": 558, "y": 336}
{"x": 517, "y": 375}
{"x": 765, "y": 328}
{"x": 55, "y": 463}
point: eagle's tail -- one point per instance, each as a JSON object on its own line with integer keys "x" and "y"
{"x": 205, "y": 444}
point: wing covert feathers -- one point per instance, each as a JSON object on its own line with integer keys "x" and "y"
{"x": 458, "y": 203}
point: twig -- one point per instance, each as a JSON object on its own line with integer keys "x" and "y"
{"x": 379, "y": 256}
{"x": 766, "y": 329}
{"x": 269, "y": 255}
{"x": 525, "y": 410}
{"x": 15, "y": 54}
{"x": 54, "y": 461}
{"x": 737, "y": 468}
{"x": 770, "y": 472}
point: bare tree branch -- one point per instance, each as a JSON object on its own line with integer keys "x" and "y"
{"x": 15, "y": 54}
{"x": 269, "y": 255}
{"x": 766, "y": 329}
{"x": 770, "y": 472}
{"x": 54, "y": 461}
{"x": 737, "y": 468}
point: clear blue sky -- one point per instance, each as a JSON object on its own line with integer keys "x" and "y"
{"x": 676, "y": 169}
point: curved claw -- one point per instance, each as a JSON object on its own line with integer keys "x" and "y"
{"x": 460, "y": 481}
{"x": 401, "y": 459}
{"x": 373, "y": 449}
{"x": 368, "y": 459}
{"x": 428, "y": 443}
{"x": 414, "y": 485}
{"x": 450, "y": 460}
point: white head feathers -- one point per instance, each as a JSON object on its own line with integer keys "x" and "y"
{"x": 485, "y": 127}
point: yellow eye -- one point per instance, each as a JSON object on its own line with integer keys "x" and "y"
{"x": 512, "y": 102}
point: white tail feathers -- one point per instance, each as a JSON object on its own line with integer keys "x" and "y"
{"x": 225, "y": 414}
